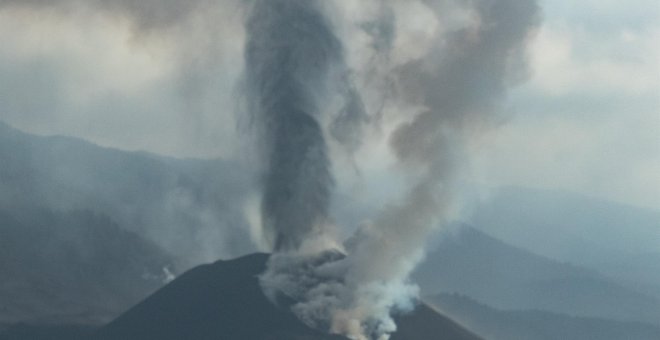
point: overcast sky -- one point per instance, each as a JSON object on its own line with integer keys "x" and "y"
{"x": 587, "y": 119}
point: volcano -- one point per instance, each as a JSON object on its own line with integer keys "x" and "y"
{"x": 224, "y": 300}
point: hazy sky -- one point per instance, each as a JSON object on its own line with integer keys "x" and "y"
{"x": 587, "y": 120}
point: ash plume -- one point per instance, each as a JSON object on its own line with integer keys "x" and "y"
{"x": 289, "y": 54}
{"x": 430, "y": 92}
{"x": 460, "y": 83}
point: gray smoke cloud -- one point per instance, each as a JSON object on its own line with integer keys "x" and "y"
{"x": 146, "y": 15}
{"x": 193, "y": 56}
{"x": 293, "y": 64}
{"x": 193, "y": 209}
{"x": 459, "y": 83}
{"x": 289, "y": 52}
{"x": 311, "y": 71}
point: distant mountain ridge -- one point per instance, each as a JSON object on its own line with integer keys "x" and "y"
{"x": 77, "y": 267}
{"x": 495, "y": 324}
{"x": 192, "y": 208}
{"x": 472, "y": 263}
{"x": 618, "y": 240}
{"x": 164, "y": 209}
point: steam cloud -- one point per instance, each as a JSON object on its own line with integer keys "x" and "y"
{"x": 459, "y": 82}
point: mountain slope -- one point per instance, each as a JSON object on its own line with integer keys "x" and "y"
{"x": 191, "y": 207}
{"x": 618, "y": 240}
{"x": 23, "y": 331}
{"x": 494, "y": 324}
{"x": 77, "y": 267}
{"x": 224, "y": 301}
{"x": 477, "y": 265}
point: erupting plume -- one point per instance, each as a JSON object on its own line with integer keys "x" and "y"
{"x": 291, "y": 54}
{"x": 293, "y": 58}
{"x": 430, "y": 74}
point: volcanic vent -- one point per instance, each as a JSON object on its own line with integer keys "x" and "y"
{"x": 224, "y": 300}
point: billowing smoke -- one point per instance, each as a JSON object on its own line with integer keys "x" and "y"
{"x": 289, "y": 53}
{"x": 427, "y": 76}
{"x": 449, "y": 95}
{"x": 294, "y": 69}
{"x": 460, "y": 84}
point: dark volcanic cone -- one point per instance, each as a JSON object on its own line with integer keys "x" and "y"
{"x": 224, "y": 301}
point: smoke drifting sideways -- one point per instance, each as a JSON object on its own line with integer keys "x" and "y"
{"x": 460, "y": 81}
